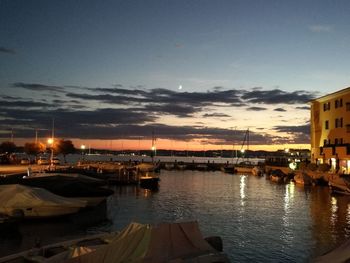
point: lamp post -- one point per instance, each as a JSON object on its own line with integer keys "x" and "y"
{"x": 50, "y": 141}
{"x": 82, "y": 147}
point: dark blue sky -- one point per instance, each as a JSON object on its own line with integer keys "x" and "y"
{"x": 181, "y": 46}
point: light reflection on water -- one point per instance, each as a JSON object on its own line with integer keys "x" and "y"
{"x": 259, "y": 221}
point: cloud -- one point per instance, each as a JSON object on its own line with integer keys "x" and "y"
{"x": 320, "y": 28}
{"x": 37, "y": 87}
{"x": 7, "y": 50}
{"x": 277, "y": 96}
{"x": 256, "y": 109}
{"x": 303, "y": 108}
{"x": 23, "y": 104}
{"x": 280, "y": 109}
{"x": 117, "y": 112}
{"x": 216, "y": 115}
{"x": 301, "y": 133}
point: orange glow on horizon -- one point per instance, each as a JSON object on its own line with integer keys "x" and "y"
{"x": 163, "y": 144}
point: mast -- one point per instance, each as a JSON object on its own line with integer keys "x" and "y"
{"x": 153, "y": 149}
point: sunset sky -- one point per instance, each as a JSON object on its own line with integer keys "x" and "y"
{"x": 196, "y": 73}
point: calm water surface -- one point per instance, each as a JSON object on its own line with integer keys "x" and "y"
{"x": 259, "y": 221}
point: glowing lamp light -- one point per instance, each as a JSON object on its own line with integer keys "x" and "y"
{"x": 293, "y": 166}
{"x": 50, "y": 141}
{"x": 242, "y": 151}
{"x": 82, "y": 147}
{"x": 153, "y": 148}
{"x": 286, "y": 150}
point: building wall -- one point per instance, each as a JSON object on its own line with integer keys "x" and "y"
{"x": 331, "y": 145}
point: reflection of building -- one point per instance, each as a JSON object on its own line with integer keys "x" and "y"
{"x": 330, "y": 130}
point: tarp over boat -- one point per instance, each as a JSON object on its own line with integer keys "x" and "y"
{"x": 144, "y": 243}
{"x": 19, "y": 196}
{"x": 340, "y": 254}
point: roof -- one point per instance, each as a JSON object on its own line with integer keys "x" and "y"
{"x": 334, "y": 94}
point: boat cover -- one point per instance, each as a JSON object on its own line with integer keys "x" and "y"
{"x": 65, "y": 186}
{"x": 338, "y": 255}
{"x": 20, "y": 196}
{"x": 145, "y": 243}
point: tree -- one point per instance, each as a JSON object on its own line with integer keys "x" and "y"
{"x": 7, "y": 147}
{"x": 65, "y": 147}
{"x": 32, "y": 148}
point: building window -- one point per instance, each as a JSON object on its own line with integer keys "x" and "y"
{"x": 336, "y": 103}
{"x": 341, "y": 141}
{"x": 341, "y": 122}
{"x": 336, "y": 141}
{"x": 326, "y": 106}
{"x": 348, "y": 106}
{"x": 341, "y": 103}
{"x": 326, "y": 125}
{"x": 336, "y": 123}
{"x": 325, "y": 142}
{"x": 348, "y": 128}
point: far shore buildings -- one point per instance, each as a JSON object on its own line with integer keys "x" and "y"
{"x": 330, "y": 130}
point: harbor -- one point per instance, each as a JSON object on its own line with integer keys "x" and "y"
{"x": 304, "y": 221}
{"x": 185, "y": 131}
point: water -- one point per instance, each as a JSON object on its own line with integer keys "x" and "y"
{"x": 259, "y": 221}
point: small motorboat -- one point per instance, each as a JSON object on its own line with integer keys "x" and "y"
{"x": 229, "y": 168}
{"x": 303, "y": 178}
{"x": 167, "y": 242}
{"x": 31, "y": 202}
{"x": 77, "y": 187}
{"x": 257, "y": 171}
{"x": 149, "y": 180}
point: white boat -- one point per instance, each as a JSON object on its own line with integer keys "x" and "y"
{"x": 175, "y": 242}
{"x": 31, "y": 202}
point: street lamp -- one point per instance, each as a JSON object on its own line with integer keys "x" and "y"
{"x": 50, "y": 141}
{"x": 82, "y": 147}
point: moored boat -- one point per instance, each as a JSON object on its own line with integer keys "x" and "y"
{"x": 167, "y": 242}
{"x": 77, "y": 187}
{"x": 338, "y": 184}
{"x": 31, "y": 202}
{"x": 149, "y": 180}
{"x": 257, "y": 171}
{"x": 303, "y": 178}
{"x": 229, "y": 168}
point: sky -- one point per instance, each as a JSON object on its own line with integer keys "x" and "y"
{"x": 196, "y": 73}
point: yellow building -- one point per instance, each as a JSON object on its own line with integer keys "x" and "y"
{"x": 330, "y": 130}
